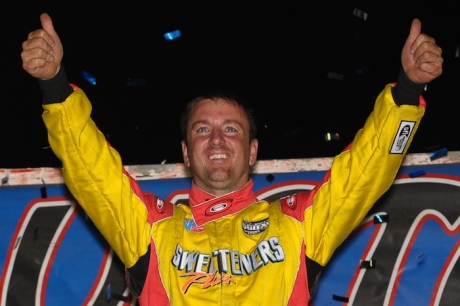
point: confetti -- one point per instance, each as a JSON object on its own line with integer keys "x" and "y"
{"x": 43, "y": 192}
{"x": 416, "y": 173}
{"x": 172, "y": 35}
{"x": 108, "y": 293}
{"x": 438, "y": 154}
{"x": 380, "y": 219}
{"x": 88, "y": 77}
{"x": 367, "y": 264}
{"x": 340, "y": 298}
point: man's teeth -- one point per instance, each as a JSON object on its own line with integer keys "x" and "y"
{"x": 217, "y": 156}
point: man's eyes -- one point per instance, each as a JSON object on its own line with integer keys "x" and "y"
{"x": 230, "y": 129}
{"x": 205, "y": 129}
{"x": 202, "y": 129}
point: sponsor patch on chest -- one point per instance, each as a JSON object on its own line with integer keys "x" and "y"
{"x": 253, "y": 228}
{"x": 190, "y": 225}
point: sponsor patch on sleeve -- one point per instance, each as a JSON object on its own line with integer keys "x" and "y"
{"x": 402, "y": 137}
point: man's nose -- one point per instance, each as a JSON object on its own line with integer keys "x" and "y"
{"x": 217, "y": 137}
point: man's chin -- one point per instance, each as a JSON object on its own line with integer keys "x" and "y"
{"x": 219, "y": 177}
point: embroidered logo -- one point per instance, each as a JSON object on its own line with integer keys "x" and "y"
{"x": 218, "y": 207}
{"x": 222, "y": 266}
{"x": 206, "y": 280}
{"x": 160, "y": 206}
{"x": 191, "y": 225}
{"x": 402, "y": 137}
{"x": 290, "y": 201}
{"x": 253, "y": 228}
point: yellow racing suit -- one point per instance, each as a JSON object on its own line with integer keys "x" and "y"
{"x": 233, "y": 249}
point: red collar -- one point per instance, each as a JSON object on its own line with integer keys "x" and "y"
{"x": 207, "y": 207}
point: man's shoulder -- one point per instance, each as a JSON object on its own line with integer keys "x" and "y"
{"x": 295, "y": 204}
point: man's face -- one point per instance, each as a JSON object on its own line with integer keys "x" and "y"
{"x": 219, "y": 152}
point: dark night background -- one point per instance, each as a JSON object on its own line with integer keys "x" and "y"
{"x": 277, "y": 55}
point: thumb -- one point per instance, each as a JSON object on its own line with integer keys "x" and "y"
{"x": 415, "y": 29}
{"x": 56, "y": 54}
{"x": 47, "y": 25}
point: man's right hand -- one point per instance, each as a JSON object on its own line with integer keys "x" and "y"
{"x": 42, "y": 51}
{"x": 421, "y": 57}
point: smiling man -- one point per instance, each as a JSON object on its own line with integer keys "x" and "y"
{"x": 227, "y": 247}
{"x": 218, "y": 145}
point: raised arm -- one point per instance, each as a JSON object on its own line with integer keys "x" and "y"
{"x": 92, "y": 169}
{"x": 363, "y": 172}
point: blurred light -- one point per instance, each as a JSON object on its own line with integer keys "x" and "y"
{"x": 363, "y": 69}
{"x": 88, "y": 77}
{"x": 172, "y": 35}
{"x": 335, "y": 76}
{"x": 331, "y": 136}
{"x": 135, "y": 82}
{"x": 360, "y": 14}
{"x": 457, "y": 52}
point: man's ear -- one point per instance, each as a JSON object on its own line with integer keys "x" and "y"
{"x": 185, "y": 153}
{"x": 254, "y": 147}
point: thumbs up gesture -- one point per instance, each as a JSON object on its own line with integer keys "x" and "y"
{"x": 42, "y": 51}
{"x": 421, "y": 56}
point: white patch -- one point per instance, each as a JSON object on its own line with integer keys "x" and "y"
{"x": 402, "y": 137}
{"x": 218, "y": 207}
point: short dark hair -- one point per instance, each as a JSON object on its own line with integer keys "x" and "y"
{"x": 216, "y": 94}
